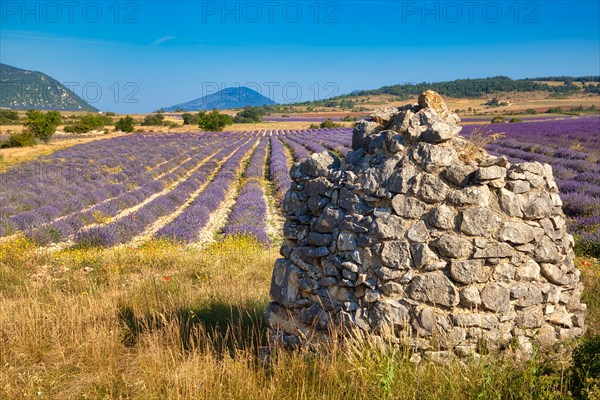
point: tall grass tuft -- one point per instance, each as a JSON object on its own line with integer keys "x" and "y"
{"x": 474, "y": 147}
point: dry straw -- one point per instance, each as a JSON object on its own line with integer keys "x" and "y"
{"x": 474, "y": 148}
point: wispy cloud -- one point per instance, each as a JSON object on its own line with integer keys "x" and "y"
{"x": 31, "y": 35}
{"x": 161, "y": 40}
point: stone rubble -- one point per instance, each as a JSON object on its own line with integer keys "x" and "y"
{"x": 410, "y": 235}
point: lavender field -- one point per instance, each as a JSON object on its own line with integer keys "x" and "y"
{"x": 195, "y": 187}
{"x": 149, "y": 186}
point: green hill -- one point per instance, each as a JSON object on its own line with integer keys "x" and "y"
{"x": 23, "y": 89}
{"x": 461, "y": 88}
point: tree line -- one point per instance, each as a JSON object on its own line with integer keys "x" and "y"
{"x": 41, "y": 126}
{"x": 461, "y": 88}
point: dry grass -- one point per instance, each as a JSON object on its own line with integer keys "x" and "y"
{"x": 115, "y": 322}
{"x": 590, "y": 274}
{"x": 166, "y": 321}
{"x": 558, "y": 83}
{"x": 474, "y": 147}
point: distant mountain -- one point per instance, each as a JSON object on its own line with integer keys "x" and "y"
{"x": 232, "y": 97}
{"x": 23, "y": 89}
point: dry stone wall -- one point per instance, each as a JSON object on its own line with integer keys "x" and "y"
{"x": 421, "y": 236}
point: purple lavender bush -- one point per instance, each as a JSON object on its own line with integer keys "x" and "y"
{"x": 249, "y": 214}
{"x": 278, "y": 168}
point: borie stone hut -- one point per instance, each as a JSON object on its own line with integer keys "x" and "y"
{"x": 421, "y": 236}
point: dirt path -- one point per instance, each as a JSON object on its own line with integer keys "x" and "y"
{"x": 218, "y": 219}
{"x": 288, "y": 154}
{"x": 275, "y": 218}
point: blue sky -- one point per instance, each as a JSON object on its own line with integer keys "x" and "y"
{"x": 136, "y": 56}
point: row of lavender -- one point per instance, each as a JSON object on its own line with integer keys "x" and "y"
{"x": 124, "y": 160}
{"x": 300, "y": 145}
{"x": 316, "y": 141}
{"x": 188, "y": 225}
{"x": 279, "y": 167}
{"x": 249, "y": 214}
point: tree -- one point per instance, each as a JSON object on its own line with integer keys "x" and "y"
{"x": 493, "y": 102}
{"x": 41, "y": 125}
{"x": 153, "y": 120}
{"x": 591, "y": 88}
{"x": 125, "y": 124}
{"x": 23, "y": 139}
{"x": 213, "y": 121}
{"x": 8, "y": 117}
{"x": 328, "y": 124}
{"x": 347, "y": 104}
{"x": 189, "y": 119}
{"x": 249, "y": 115}
{"x": 89, "y": 123}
